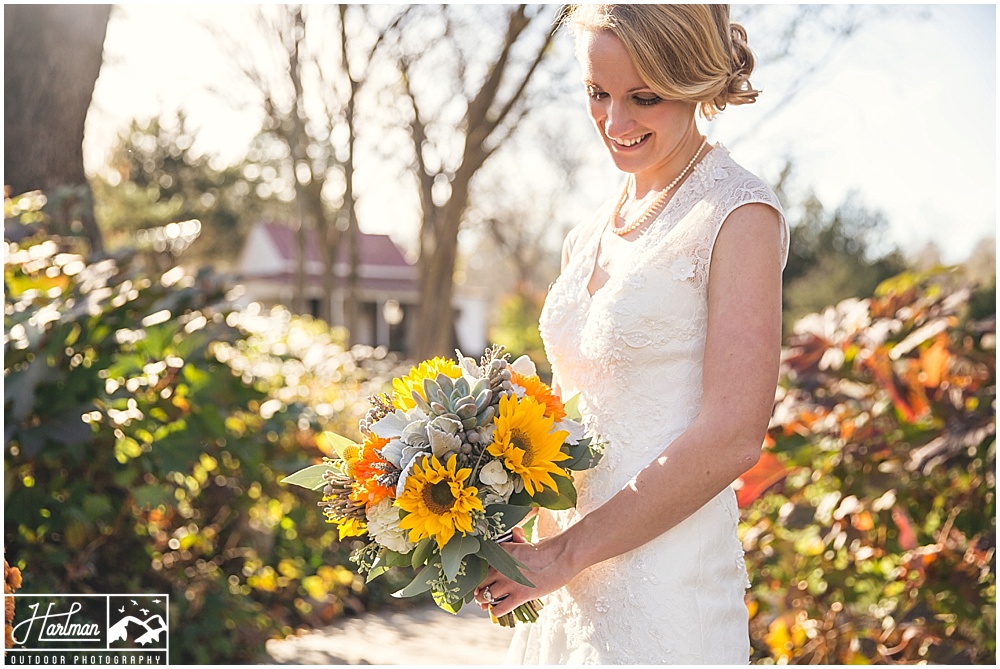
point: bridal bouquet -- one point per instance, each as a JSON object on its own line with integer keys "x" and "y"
{"x": 449, "y": 463}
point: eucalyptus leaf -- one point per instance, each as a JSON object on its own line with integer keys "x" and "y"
{"x": 453, "y": 553}
{"x": 521, "y": 499}
{"x": 376, "y": 571}
{"x": 394, "y": 559}
{"x": 445, "y": 604}
{"x": 562, "y": 498}
{"x": 422, "y": 552}
{"x": 582, "y": 455}
{"x": 476, "y": 569}
{"x": 339, "y": 443}
{"x": 421, "y": 582}
{"x": 510, "y": 514}
{"x": 311, "y": 477}
{"x": 503, "y": 562}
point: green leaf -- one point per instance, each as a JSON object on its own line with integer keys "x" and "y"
{"x": 563, "y": 498}
{"x": 422, "y": 552}
{"x": 582, "y": 455}
{"x": 152, "y": 496}
{"x": 96, "y": 506}
{"x": 521, "y": 499}
{"x": 394, "y": 559}
{"x": 476, "y": 569}
{"x": 572, "y": 406}
{"x": 421, "y": 582}
{"x": 503, "y": 562}
{"x": 446, "y": 605}
{"x": 510, "y": 514}
{"x": 454, "y": 551}
{"x": 339, "y": 443}
{"x": 376, "y": 571}
{"x": 311, "y": 477}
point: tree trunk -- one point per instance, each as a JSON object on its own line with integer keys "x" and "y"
{"x": 351, "y": 302}
{"x": 482, "y": 132}
{"x": 52, "y": 56}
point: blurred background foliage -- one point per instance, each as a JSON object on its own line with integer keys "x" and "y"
{"x": 148, "y": 421}
{"x": 875, "y": 539}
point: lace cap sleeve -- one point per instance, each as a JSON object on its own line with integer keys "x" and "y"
{"x": 572, "y": 242}
{"x": 753, "y": 190}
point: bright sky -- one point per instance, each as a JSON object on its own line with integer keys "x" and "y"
{"x": 905, "y": 114}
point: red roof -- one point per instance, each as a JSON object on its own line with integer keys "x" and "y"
{"x": 375, "y": 250}
{"x": 383, "y": 267}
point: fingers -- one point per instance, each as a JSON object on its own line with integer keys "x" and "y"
{"x": 517, "y": 535}
{"x": 490, "y": 594}
{"x": 509, "y": 603}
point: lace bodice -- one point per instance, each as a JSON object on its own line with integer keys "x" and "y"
{"x": 634, "y": 351}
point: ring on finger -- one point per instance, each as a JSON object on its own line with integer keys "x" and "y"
{"x": 489, "y": 596}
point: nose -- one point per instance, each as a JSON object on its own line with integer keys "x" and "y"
{"x": 618, "y": 119}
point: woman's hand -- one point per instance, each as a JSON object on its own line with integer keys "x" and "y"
{"x": 546, "y": 567}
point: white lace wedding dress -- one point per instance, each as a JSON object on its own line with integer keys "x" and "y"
{"x": 634, "y": 351}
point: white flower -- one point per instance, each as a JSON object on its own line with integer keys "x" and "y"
{"x": 575, "y": 429}
{"x": 383, "y": 526}
{"x": 495, "y": 478}
{"x": 524, "y": 366}
{"x": 469, "y": 367}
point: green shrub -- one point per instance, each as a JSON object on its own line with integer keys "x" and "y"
{"x": 517, "y": 330}
{"x": 878, "y": 544}
{"x": 147, "y": 424}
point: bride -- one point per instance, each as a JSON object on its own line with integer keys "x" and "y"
{"x": 666, "y": 318}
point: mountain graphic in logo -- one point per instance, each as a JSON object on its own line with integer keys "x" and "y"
{"x": 138, "y": 621}
{"x": 149, "y": 629}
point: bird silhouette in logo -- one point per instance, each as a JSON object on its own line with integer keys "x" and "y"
{"x": 156, "y": 601}
{"x": 121, "y": 610}
{"x": 145, "y": 612}
{"x": 135, "y": 602}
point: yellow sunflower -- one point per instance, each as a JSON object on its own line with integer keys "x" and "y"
{"x": 524, "y": 440}
{"x": 351, "y": 527}
{"x": 533, "y": 386}
{"x": 428, "y": 369}
{"x": 437, "y": 501}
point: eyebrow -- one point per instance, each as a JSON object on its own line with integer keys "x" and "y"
{"x": 587, "y": 82}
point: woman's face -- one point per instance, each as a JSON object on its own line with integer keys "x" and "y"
{"x": 646, "y": 135}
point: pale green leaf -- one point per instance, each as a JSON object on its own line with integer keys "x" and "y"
{"x": 311, "y": 477}
{"x": 453, "y": 553}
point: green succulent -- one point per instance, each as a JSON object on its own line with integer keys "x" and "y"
{"x": 471, "y": 405}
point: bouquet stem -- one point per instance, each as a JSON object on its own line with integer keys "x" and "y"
{"x": 525, "y": 613}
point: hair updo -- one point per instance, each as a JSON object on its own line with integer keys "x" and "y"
{"x": 683, "y": 52}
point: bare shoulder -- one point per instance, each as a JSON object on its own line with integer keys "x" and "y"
{"x": 753, "y": 229}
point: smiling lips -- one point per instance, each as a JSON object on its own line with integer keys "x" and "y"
{"x": 629, "y": 143}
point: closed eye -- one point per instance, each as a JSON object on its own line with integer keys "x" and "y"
{"x": 646, "y": 100}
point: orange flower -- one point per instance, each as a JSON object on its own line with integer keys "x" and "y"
{"x": 366, "y": 470}
{"x": 533, "y": 386}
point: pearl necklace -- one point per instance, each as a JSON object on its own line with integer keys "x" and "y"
{"x": 653, "y": 207}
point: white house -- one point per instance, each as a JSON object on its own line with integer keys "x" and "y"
{"x": 388, "y": 285}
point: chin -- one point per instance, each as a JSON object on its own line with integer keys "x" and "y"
{"x": 624, "y": 164}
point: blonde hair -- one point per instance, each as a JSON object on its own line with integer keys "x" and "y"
{"x": 683, "y": 52}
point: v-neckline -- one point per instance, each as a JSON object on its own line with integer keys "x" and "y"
{"x": 637, "y": 241}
